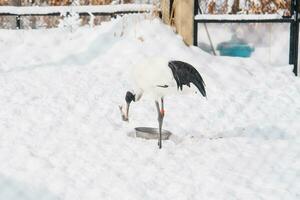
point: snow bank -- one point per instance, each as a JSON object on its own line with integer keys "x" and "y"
{"x": 61, "y": 130}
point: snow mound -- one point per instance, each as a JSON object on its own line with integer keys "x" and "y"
{"x": 60, "y": 127}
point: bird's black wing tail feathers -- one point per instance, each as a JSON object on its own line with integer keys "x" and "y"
{"x": 184, "y": 74}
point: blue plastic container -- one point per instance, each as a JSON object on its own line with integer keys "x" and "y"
{"x": 235, "y": 48}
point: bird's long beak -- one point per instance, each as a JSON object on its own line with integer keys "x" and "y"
{"x": 125, "y": 112}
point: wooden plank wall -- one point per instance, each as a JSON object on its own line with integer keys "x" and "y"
{"x": 182, "y": 18}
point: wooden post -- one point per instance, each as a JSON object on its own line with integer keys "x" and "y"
{"x": 184, "y": 19}
{"x": 235, "y": 7}
{"x": 166, "y": 11}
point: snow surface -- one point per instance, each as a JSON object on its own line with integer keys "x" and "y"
{"x": 61, "y": 131}
{"x": 64, "y": 9}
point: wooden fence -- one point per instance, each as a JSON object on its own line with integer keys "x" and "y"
{"x": 100, "y": 10}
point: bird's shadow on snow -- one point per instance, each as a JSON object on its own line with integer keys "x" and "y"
{"x": 142, "y": 136}
{"x": 252, "y": 132}
{"x": 11, "y": 189}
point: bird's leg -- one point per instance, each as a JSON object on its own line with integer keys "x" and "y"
{"x": 159, "y": 123}
{"x": 160, "y": 120}
{"x": 162, "y": 115}
{"x": 162, "y": 111}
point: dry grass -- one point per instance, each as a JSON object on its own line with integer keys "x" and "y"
{"x": 253, "y": 7}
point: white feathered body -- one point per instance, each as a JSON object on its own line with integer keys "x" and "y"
{"x": 154, "y": 78}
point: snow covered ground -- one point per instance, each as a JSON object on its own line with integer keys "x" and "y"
{"x": 61, "y": 134}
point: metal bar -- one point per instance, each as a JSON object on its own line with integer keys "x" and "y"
{"x": 296, "y": 37}
{"x": 292, "y": 46}
{"x": 292, "y": 34}
{"x": 195, "y": 38}
{"x": 24, "y": 15}
{"x": 80, "y": 13}
{"x": 18, "y": 22}
{"x": 283, "y": 20}
{"x": 195, "y": 31}
{"x": 295, "y": 70}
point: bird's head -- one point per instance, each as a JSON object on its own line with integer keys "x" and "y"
{"x": 129, "y": 97}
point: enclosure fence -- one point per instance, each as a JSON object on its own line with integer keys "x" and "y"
{"x": 99, "y": 10}
{"x": 293, "y": 20}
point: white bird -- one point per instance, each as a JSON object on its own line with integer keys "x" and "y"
{"x": 158, "y": 78}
